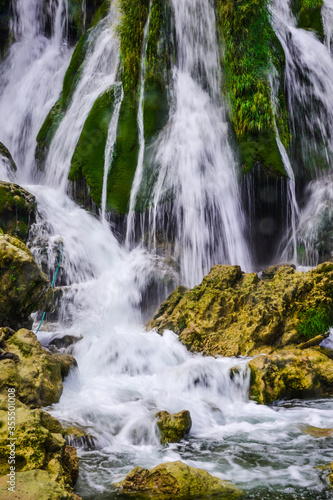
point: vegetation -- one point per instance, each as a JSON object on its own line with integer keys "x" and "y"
{"x": 314, "y": 322}
{"x": 251, "y": 51}
{"x": 308, "y": 14}
{"x": 88, "y": 158}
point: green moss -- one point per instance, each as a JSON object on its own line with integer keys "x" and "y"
{"x": 48, "y": 130}
{"x": 101, "y": 13}
{"x": 125, "y": 158}
{"x": 308, "y": 14}
{"x": 261, "y": 149}
{"x": 314, "y": 322}
{"x": 134, "y": 16}
{"x": 88, "y": 157}
{"x": 74, "y": 70}
{"x": 251, "y": 51}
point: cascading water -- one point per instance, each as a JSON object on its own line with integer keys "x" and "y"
{"x": 32, "y": 76}
{"x": 195, "y": 197}
{"x": 125, "y": 375}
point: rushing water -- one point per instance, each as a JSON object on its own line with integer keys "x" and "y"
{"x": 125, "y": 375}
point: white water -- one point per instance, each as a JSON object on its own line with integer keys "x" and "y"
{"x": 130, "y": 230}
{"x": 31, "y": 78}
{"x": 309, "y": 83}
{"x": 99, "y": 74}
{"x": 125, "y": 375}
{"x": 195, "y": 196}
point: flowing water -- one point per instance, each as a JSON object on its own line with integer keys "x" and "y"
{"x": 125, "y": 375}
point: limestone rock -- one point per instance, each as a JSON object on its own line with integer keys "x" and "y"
{"x": 176, "y": 480}
{"x": 34, "y": 485}
{"x": 234, "y": 313}
{"x": 39, "y": 445}
{"x": 35, "y": 373}
{"x": 290, "y": 373}
{"x": 24, "y": 288}
{"x": 173, "y": 427}
{"x": 17, "y": 209}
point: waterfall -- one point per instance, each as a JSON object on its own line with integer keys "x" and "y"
{"x": 125, "y": 374}
{"x": 32, "y": 75}
{"x": 195, "y": 203}
{"x": 309, "y": 85}
{"x": 98, "y": 75}
{"x": 139, "y": 169}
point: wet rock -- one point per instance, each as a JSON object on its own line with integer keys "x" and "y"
{"x": 36, "y": 374}
{"x": 7, "y": 164}
{"x": 66, "y": 363}
{"x": 316, "y": 431}
{"x": 234, "y": 313}
{"x": 24, "y": 288}
{"x": 173, "y": 426}
{"x": 39, "y": 444}
{"x": 290, "y": 373}
{"x": 330, "y": 477}
{"x": 65, "y": 341}
{"x": 34, "y": 485}
{"x": 78, "y": 437}
{"x": 17, "y": 210}
{"x": 176, "y": 480}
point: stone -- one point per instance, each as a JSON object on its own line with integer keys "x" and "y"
{"x": 232, "y": 313}
{"x": 35, "y": 373}
{"x": 290, "y": 373}
{"x": 39, "y": 445}
{"x": 78, "y": 437}
{"x": 173, "y": 427}
{"x": 24, "y": 288}
{"x": 176, "y": 480}
{"x": 34, "y": 485}
{"x": 17, "y": 210}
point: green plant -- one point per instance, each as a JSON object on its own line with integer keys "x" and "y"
{"x": 314, "y": 322}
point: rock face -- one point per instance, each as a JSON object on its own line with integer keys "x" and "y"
{"x": 173, "y": 427}
{"x": 33, "y": 372}
{"x": 176, "y": 480}
{"x": 17, "y": 210}
{"x": 291, "y": 373}
{"x": 24, "y": 288}
{"x": 233, "y": 313}
{"x": 39, "y": 445}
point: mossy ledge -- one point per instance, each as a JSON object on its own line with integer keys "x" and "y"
{"x": 308, "y": 14}
{"x": 251, "y": 51}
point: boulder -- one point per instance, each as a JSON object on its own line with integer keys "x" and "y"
{"x": 233, "y": 313}
{"x": 39, "y": 444}
{"x": 24, "y": 288}
{"x": 34, "y": 485}
{"x": 173, "y": 427}
{"x": 17, "y": 210}
{"x": 291, "y": 373}
{"x": 176, "y": 480}
{"x": 35, "y": 373}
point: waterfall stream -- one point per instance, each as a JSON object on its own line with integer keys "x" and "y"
{"x": 125, "y": 374}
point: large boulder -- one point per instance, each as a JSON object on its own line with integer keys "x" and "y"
{"x": 17, "y": 208}
{"x": 291, "y": 373}
{"x": 173, "y": 426}
{"x": 35, "y": 373}
{"x": 176, "y": 480}
{"x": 234, "y": 313}
{"x": 34, "y": 485}
{"x": 39, "y": 444}
{"x": 24, "y": 288}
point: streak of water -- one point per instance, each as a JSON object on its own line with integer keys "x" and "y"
{"x": 32, "y": 75}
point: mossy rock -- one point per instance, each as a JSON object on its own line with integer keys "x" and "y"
{"x": 7, "y": 162}
{"x": 17, "y": 210}
{"x": 88, "y": 158}
{"x": 47, "y": 132}
{"x": 125, "y": 158}
{"x": 261, "y": 150}
{"x": 290, "y": 373}
{"x": 234, "y": 313}
{"x": 173, "y": 426}
{"x": 5, "y": 16}
{"x": 34, "y": 485}
{"x": 39, "y": 444}
{"x": 308, "y": 13}
{"x": 35, "y": 373}
{"x": 24, "y": 288}
{"x": 176, "y": 480}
